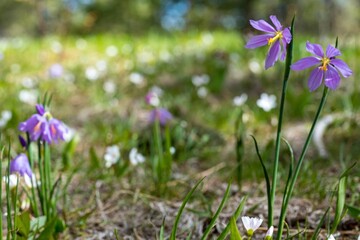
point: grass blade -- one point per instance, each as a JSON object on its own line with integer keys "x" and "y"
{"x": 176, "y": 223}
{"x": 266, "y": 175}
{"x": 318, "y": 227}
{"x": 234, "y": 231}
{"x": 218, "y": 211}
{"x": 235, "y": 216}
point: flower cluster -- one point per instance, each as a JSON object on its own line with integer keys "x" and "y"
{"x": 42, "y": 126}
{"x": 328, "y": 66}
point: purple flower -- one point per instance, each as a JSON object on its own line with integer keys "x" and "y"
{"x": 328, "y": 66}
{"x": 20, "y": 164}
{"x": 43, "y": 126}
{"x": 274, "y": 37}
{"x": 160, "y": 114}
{"x": 56, "y": 70}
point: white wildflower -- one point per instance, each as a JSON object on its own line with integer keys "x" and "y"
{"x": 240, "y": 100}
{"x": 136, "y": 78}
{"x": 269, "y": 233}
{"x": 112, "y": 155}
{"x": 135, "y": 157}
{"x": 199, "y": 80}
{"x": 251, "y": 224}
{"x": 109, "y": 87}
{"x": 202, "y": 92}
{"x": 28, "y": 96}
{"x": 112, "y": 51}
{"x": 92, "y": 73}
{"x": 266, "y": 102}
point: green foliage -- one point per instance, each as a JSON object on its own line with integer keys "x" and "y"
{"x": 234, "y": 231}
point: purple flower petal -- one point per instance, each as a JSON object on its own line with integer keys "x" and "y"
{"x": 314, "y": 49}
{"x": 287, "y": 35}
{"x": 283, "y": 53}
{"x": 315, "y": 79}
{"x": 273, "y": 55}
{"x": 305, "y": 63}
{"x": 276, "y": 22}
{"x": 263, "y": 26}
{"x": 20, "y": 164}
{"x": 40, "y": 109}
{"x": 258, "y": 41}
{"x": 332, "y": 78}
{"x": 332, "y": 52}
{"x": 342, "y": 67}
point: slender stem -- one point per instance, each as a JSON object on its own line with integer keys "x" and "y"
{"x": 280, "y": 120}
{"x": 43, "y": 186}
{"x": 33, "y": 196}
{"x": 8, "y": 200}
{"x": 1, "y": 177}
{"x": 47, "y": 170}
{"x": 298, "y": 166}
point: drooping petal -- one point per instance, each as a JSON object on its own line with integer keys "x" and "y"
{"x": 332, "y": 78}
{"x": 276, "y": 22}
{"x": 258, "y": 41}
{"x": 20, "y": 164}
{"x": 314, "y": 49}
{"x": 262, "y": 25}
{"x": 342, "y": 67}
{"x": 287, "y": 35}
{"x": 273, "y": 55}
{"x": 40, "y": 109}
{"x": 305, "y": 63}
{"x": 315, "y": 79}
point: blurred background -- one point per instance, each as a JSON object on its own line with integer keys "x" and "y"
{"x": 43, "y": 17}
{"x": 99, "y": 58}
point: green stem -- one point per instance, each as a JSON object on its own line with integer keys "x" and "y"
{"x": 8, "y": 200}
{"x": 33, "y": 196}
{"x": 43, "y": 186}
{"x": 48, "y": 184}
{"x": 298, "y": 166}
{"x": 278, "y": 134}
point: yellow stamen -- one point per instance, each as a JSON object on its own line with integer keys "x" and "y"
{"x": 325, "y": 61}
{"x": 278, "y": 36}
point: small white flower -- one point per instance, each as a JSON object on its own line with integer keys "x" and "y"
{"x": 112, "y": 51}
{"x": 136, "y": 78}
{"x": 255, "y": 66}
{"x": 269, "y": 233}
{"x": 251, "y": 224}
{"x": 240, "y": 100}
{"x": 135, "y": 157}
{"x": 12, "y": 180}
{"x": 202, "y": 92}
{"x": 109, "y": 87}
{"x": 157, "y": 90}
{"x": 92, "y": 73}
{"x": 112, "y": 155}
{"x": 101, "y": 65}
{"x": 172, "y": 150}
{"x": 28, "y": 82}
{"x": 331, "y": 237}
{"x": 266, "y": 102}
{"x": 30, "y": 182}
{"x": 152, "y": 99}
{"x": 199, "y": 80}
{"x": 28, "y": 96}
{"x": 6, "y": 115}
